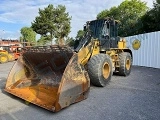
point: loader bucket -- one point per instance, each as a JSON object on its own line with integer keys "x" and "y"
{"x": 49, "y": 77}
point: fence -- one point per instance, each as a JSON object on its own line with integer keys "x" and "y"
{"x": 146, "y": 49}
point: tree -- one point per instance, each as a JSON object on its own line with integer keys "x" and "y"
{"x": 52, "y": 22}
{"x": 43, "y": 40}
{"x": 78, "y": 37}
{"x": 80, "y": 34}
{"x": 44, "y": 23}
{"x": 28, "y": 35}
{"x": 128, "y": 13}
{"x": 70, "y": 41}
{"x": 158, "y": 1}
{"x": 151, "y": 18}
{"x": 62, "y": 23}
{"x": 112, "y": 12}
{"x": 21, "y": 39}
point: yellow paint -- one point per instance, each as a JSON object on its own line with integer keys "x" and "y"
{"x": 86, "y": 52}
{"x": 83, "y": 55}
{"x": 96, "y": 48}
{"x": 93, "y": 48}
{"x": 122, "y": 44}
{"x": 4, "y": 59}
{"x": 7, "y": 57}
{"x": 136, "y": 44}
{"x": 10, "y": 57}
{"x": 19, "y": 74}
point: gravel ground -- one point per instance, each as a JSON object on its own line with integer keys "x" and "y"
{"x": 136, "y": 97}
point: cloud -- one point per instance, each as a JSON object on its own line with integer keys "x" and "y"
{"x": 9, "y": 34}
{"x": 19, "y": 11}
{"x": 23, "y": 12}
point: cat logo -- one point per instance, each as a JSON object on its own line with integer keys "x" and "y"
{"x": 136, "y": 44}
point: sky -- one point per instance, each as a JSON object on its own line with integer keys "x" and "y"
{"x": 15, "y": 14}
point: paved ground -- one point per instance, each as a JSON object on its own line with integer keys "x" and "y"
{"x": 136, "y": 97}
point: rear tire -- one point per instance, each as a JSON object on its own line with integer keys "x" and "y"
{"x": 125, "y": 60}
{"x": 100, "y": 69}
{"x": 3, "y": 58}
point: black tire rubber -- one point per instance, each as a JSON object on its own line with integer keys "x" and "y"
{"x": 95, "y": 69}
{"x": 3, "y": 55}
{"x": 123, "y": 57}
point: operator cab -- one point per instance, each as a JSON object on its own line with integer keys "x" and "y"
{"x": 105, "y": 30}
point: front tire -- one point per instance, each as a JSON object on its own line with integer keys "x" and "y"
{"x": 100, "y": 69}
{"x": 3, "y": 58}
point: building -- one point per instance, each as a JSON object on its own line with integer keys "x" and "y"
{"x": 5, "y": 42}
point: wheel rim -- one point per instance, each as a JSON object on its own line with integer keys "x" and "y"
{"x": 106, "y": 70}
{"x": 128, "y": 64}
{"x": 3, "y": 59}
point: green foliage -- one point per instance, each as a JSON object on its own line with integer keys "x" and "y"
{"x": 128, "y": 13}
{"x": 44, "y": 23}
{"x": 28, "y": 35}
{"x": 151, "y": 19}
{"x": 80, "y": 34}
{"x": 112, "y": 12}
{"x": 52, "y": 21}
{"x": 78, "y": 37}
{"x": 62, "y": 22}
{"x": 158, "y": 1}
{"x": 21, "y": 39}
{"x": 43, "y": 40}
{"x": 70, "y": 41}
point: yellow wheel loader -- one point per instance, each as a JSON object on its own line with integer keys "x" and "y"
{"x": 5, "y": 56}
{"x": 54, "y": 77}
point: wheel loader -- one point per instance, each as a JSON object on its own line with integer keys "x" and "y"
{"x": 54, "y": 77}
{"x": 5, "y": 56}
{"x": 9, "y": 53}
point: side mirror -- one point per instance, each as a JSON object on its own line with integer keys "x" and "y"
{"x": 84, "y": 28}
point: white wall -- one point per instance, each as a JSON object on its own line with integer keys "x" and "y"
{"x": 149, "y": 52}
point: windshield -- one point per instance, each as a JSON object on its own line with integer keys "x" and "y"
{"x": 103, "y": 28}
{"x": 96, "y": 28}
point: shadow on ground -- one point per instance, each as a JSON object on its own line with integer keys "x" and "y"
{"x": 2, "y": 83}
